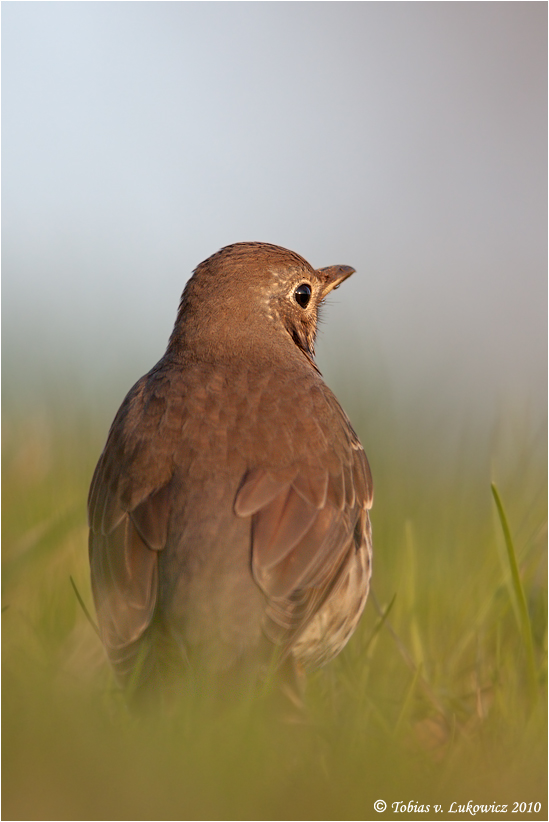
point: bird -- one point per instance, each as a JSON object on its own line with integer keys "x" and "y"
{"x": 229, "y": 523}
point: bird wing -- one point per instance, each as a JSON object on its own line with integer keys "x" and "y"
{"x": 128, "y": 510}
{"x": 307, "y": 522}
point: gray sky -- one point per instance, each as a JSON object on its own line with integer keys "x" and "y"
{"x": 405, "y": 139}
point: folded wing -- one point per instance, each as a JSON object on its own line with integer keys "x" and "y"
{"x": 308, "y": 523}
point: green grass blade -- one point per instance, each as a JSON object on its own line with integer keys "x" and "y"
{"x": 382, "y": 618}
{"x": 407, "y": 701}
{"x": 83, "y": 606}
{"x": 524, "y": 617}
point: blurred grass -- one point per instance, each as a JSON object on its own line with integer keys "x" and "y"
{"x": 433, "y": 701}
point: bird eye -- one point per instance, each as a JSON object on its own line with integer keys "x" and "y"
{"x": 302, "y": 295}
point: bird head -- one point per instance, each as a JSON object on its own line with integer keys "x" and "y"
{"x": 249, "y": 296}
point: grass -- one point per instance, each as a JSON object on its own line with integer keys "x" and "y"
{"x": 440, "y": 696}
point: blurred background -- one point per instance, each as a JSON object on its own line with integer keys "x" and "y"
{"x": 407, "y": 140}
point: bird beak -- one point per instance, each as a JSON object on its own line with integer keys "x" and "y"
{"x": 333, "y": 276}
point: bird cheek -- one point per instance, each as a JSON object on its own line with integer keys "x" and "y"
{"x": 310, "y": 324}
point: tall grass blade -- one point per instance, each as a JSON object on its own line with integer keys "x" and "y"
{"x": 407, "y": 701}
{"x": 407, "y": 657}
{"x": 524, "y": 617}
{"x": 382, "y": 617}
{"x": 82, "y": 605}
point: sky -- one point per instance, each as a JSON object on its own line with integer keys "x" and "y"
{"x": 405, "y": 139}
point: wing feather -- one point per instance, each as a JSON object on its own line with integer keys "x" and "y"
{"x": 279, "y": 527}
{"x": 124, "y": 583}
{"x": 305, "y": 533}
{"x": 129, "y": 506}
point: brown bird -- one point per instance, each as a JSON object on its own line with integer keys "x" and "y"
{"x": 228, "y": 512}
